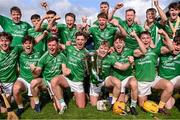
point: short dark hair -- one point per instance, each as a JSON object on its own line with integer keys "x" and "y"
{"x": 51, "y": 12}
{"x": 6, "y": 35}
{"x": 53, "y": 39}
{"x": 151, "y": 10}
{"x": 104, "y": 3}
{"x": 105, "y": 43}
{"x": 102, "y": 15}
{"x": 81, "y": 34}
{"x": 35, "y": 16}
{"x": 144, "y": 32}
{"x": 71, "y": 15}
{"x": 174, "y": 5}
{"x": 177, "y": 39}
{"x": 15, "y": 8}
{"x": 28, "y": 38}
{"x": 130, "y": 9}
{"x": 119, "y": 36}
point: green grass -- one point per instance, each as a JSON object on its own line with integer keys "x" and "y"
{"x": 89, "y": 112}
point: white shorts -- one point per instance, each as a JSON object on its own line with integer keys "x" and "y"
{"x": 144, "y": 88}
{"x": 49, "y": 88}
{"x": 124, "y": 83}
{"x": 96, "y": 89}
{"x": 27, "y": 85}
{"x": 175, "y": 80}
{"x": 75, "y": 86}
{"x": 7, "y": 87}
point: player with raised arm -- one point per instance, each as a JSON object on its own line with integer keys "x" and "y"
{"x": 151, "y": 24}
{"x": 104, "y": 32}
{"x": 145, "y": 69}
{"x": 173, "y": 22}
{"x": 169, "y": 67}
{"x": 40, "y": 36}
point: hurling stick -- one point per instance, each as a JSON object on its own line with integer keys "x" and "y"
{"x": 11, "y": 114}
{"x": 53, "y": 99}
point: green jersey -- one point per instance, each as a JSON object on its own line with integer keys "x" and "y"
{"x": 169, "y": 66}
{"x": 24, "y": 62}
{"x": 18, "y": 31}
{"x": 122, "y": 58}
{"x": 41, "y": 46}
{"x": 145, "y": 66}
{"x": 177, "y": 62}
{"x": 52, "y": 33}
{"x": 67, "y": 34}
{"x": 154, "y": 32}
{"x": 130, "y": 41}
{"x": 107, "y": 63}
{"x": 104, "y": 65}
{"x": 76, "y": 62}
{"x": 51, "y": 65}
{"x": 168, "y": 28}
{"x": 99, "y": 35}
{"x": 109, "y": 24}
{"x": 8, "y": 65}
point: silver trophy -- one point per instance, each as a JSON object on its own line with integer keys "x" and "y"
{"x": 93, "y": 67}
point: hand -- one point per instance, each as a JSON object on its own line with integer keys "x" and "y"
{"x": 66, "y": 71}
{"x": 45, "y": 32}
{"x": 156, "y": 2}
{"x": 146, "y": 27}
{"x": 131, "y": 59}
{"x": 114, "y": 22}
{"x": 57, "y": 17}
{"x": 162, "y": 32}
{"x": 68, "y": 43}
{"x": 84, "y": 19}
{"x": 137, "y": 53}
{"x": 119, "y": 5}
{"x": 44, "y": 4}
{"x": 111, "y": 50}
{"x": 32, "y": 67}
{"x": 133, "y": 34}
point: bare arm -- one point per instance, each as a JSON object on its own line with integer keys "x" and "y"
{"x": 40, "y": 37}
{"x": 167, "y": 41}
{"x": 118, "y": 6}
{"x": 124, "y": 66}
{"x": 121, "y": 29}
{"x": 62, "y": 46}
{"x": 140, "y": 43}
{"x": 137, "y": 53}
{"x": 38, "y": 26}
{"x": 121, "y": 66}
{"x": 164, "y": 50}
{"x": 35, "y": 70}
{"x": 66, "y": 71}
{"x": 51, "y": 23}
{"x": 160, "y": 11}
